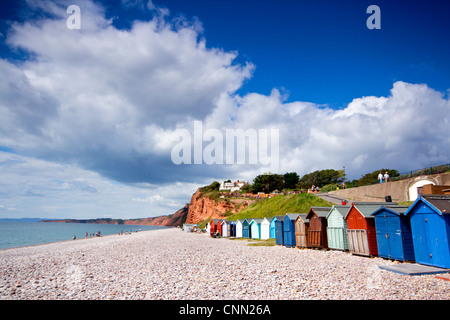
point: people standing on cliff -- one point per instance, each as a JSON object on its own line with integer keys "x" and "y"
{"x": 380, "y": 177}
{"x": 386, "y": 177}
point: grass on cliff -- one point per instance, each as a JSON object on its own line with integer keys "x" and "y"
{"x": 280, "y": 205}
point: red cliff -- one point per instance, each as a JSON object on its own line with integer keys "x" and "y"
{"x": 203, "y": 206}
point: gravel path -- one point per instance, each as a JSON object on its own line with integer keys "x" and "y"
{"x": 172, "y": 264}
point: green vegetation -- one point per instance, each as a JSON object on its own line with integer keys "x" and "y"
{"x": 262, "y": 243}
{"x": 280, "y": 205}
{"x": 321, "y": 178}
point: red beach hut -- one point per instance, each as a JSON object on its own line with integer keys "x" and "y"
{"x": 361, "y": 233}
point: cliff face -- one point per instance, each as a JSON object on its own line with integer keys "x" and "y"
{"x": 172, "y": 220}
{"x": 202, "y": 207}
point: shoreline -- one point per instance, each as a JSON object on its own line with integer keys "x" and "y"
{"x": 171, "y": 264}
{"x": 68, "y": 239}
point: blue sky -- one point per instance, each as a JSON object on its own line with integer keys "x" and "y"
{"x": 91, "y": 112}
{"x": 322, "y": 51}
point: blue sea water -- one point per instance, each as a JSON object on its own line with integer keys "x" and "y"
{"x": 25, "y": 233}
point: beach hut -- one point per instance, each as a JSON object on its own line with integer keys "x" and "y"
{"x": 430, "y": 227}
{"x": 301, "y": 230}
{"x": 317, "y": 233}
{"x": 212, "y": 229}
{"x": 289, "y": 229}
{"x": 255, "y": 228}
{"x": 188, "y": 227}
{"x": 337, "y": 227}
{"x": 208, "y": 228}
{"x": 361, "y": 233}
{"x": 393, "y": 229}
{"x": 272, "y": 227}
{"x": 238, "y": 229}
{"x": 225, "y": 228}
{"x": 218, "y": 226}
{"x": 246, "y": 232}
{"x": 232, "y": 228}
{"x": 265, "y": 228}
{"x": 279, "y": 237}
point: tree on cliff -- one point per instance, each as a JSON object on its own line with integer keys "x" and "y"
{"x": 321, "y": 178}
{"x": 290, "y": 180}
{"x": 267, "y": 183}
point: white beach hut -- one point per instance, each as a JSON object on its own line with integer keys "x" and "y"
{"x": 265, "y": 228}
{"x": 208, "y": 228}
{"x": 225, "y": 228}
{"x": 238, "y": 228}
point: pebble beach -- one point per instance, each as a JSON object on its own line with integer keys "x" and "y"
{"x": 170, "y": 264}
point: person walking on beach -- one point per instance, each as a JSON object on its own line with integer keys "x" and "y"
{"x": 380, "y": 177}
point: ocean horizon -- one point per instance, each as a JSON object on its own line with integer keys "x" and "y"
{"x": 15, "y": 233}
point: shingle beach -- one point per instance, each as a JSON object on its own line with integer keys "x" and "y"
{"x": 171, "y": 264}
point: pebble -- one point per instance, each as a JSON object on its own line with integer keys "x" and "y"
{"x": 172, "y": 264}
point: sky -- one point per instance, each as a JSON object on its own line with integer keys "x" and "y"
{"x": 123, "y": 108}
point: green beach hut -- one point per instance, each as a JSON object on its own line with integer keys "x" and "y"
{"x": 337, "y": 227}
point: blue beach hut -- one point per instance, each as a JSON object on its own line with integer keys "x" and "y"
{"x": 232, "y": 228}
{"x": 255, "y": 227}
{"x": 393, "y": 230}
{"x": 289, "y": 229}
{"x": 430, "y": 227}
{"x": 246, "y": 233}
{"x": 279, "y": 237}
{"x": 272, "y": 227}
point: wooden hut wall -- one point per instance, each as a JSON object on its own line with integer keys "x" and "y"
{"x": 430, "y": 227}
{"x": 246, "y": 229}
{"x": 265, "y": 228}
{"x": 317, "y": 234}
{"x": 238, "y": 229}
{"x": 255, "y": 227}
{"x": 272, "y": 228}
{"x": 289, "y": 230}
{"x": 337, "y": 228}
{"x": 394, "y": 237}
{"x": 279, "y": 234}
{"x": 362, "y": 231}
{"x": 301, "y": 231}
{"x": 225, "y": 228}
{"x": 219, "y": 227}
{"x": 233, "y": 229}
{"x": 213, "y": 228}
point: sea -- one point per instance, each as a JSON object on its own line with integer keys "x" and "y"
{"x": 14, "y": 234}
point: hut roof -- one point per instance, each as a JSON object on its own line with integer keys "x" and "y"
{"x": 367, "y": 208}
{"x": 291, "y": 216}
{"x": 302, "y": 216}
{"x": 439, "y": 203}
{"x": 319, "y": 211}
{"x": 398, "y": 210}
{"x": 257, "y": 220}
{"x": 342, "y": 209}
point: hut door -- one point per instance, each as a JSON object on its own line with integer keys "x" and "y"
{"x": 300, "y": 235}
{"x": 420, "y": 238}
{"x": 383, "y": 236}
{"x": 357, "y": 241}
